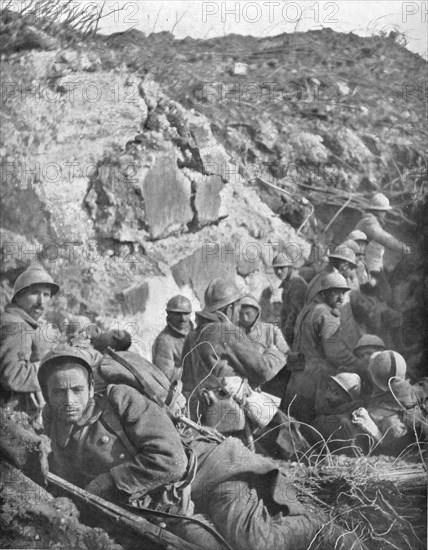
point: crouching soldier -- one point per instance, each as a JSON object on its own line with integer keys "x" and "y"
{"x": 334, "y": 422}
{"x": 168, "y": 346}
{"x": 284, "y": 441}
{"x": 366, "y": 346}
{"x": 123, "y": 447}
{"x": 394, "y": 404}
{"x": 23, "y": 341}
{"x": 217, "y": 352}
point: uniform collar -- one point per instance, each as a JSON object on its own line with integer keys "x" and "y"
{"x": 178, "y": 331}
{"x": 16, "y": 310}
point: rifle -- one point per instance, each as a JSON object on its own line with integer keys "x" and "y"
{"x": 135, "y": 523}
{"x": 151, "y": 394}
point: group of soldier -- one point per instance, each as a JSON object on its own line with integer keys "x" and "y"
{"x": 328, "y": 373}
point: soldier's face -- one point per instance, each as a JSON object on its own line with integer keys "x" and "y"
{"x": 335, "y": 394}
{"x": 345, "y": 269}
{"x": 179, "y": 320}
{"x": 69, "y": 392}
{"x": 281, "y": 272}
{"x": 248, "y": 316}
{"x": 363, "y": 246}
{"x": 333, "y": 297}
{"x": 33, "y": 300}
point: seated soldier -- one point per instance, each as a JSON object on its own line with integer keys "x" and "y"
{"x": 263, "y": 335}
{"x": 23, "y": 341}
{"x": 168, "y": 346}
{"x": 218, "y": 349}
{"x": 285, "y": 441}
{"x": 366, "y": 346}
{"x": 393, "y": 405}
{"x": 334, "y": 407}
{"x": 123, "y": 447}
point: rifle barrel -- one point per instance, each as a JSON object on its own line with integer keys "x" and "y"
{"x": 139, "y": 525}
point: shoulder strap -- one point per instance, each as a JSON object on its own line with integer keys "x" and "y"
{"x": 149, "y": 390}
{"x": 110, "y": 419}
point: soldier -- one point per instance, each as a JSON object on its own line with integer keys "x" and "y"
{"x": 216, "y": 349}
{"x": 122, "y": 447}
{"x": 343, "y": 261}
{"x": 293, "y": 294}
{"x": 393, "y": 405}
{"x": 263, "y": 335}
{"x": 334, "y": 408}
{"x": 318, "y": 336}
{"x": 23, "y": 342}
{"x": 168, "y": 346}
{"x": 372, "y": 224}
{"x": 361, "y": 241}
{"x": 366, "y": 346}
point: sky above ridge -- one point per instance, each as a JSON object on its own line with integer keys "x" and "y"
{"x": 207, "y": 19}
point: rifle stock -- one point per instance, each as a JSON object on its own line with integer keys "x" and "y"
{"x": 137, "y": 524}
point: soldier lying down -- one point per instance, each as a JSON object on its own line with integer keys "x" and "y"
{"x": 123, "y": 447}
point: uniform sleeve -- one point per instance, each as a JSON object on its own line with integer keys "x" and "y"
{"x": 334, "y": 346}
{"x": 17, "y": 373}
{"x": 279, "y": 341}
{"x": 160, "y": 458}
{"x": 163, "y": 357}
{"x": 245, "y": 358}
{"x": 375, "y": 232}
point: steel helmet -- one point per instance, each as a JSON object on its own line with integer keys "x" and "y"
{"x": 179, "y": 304}
{"x": 34, "y": 275}
{"x": 219, "y": 294}
{"x": 384, "y": 365}
{"x": 379, "y": 202}
{"x": 350, "y": 382}
{"x": 79, "y": 355}
{"x": 344, "y": 253}
{"x": 249, "y": 300}
{"x": 357, "y": 235}
{"x": 370, "y": 340}
{"x": 352, "y": 245}
{"x": 333, "y": 280}
{"x": 282, "y": 260}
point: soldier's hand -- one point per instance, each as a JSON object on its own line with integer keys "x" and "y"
{"x": 361, "y": 418}
{"x": 102, "y": 486}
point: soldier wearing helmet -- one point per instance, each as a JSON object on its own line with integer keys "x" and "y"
{"x": 393, "y": 404}
{"x": 372, "y": 225}
{"x": 359, "y": 240}
{"x": 335, "y": 408}
{"x": 218, "y": 347}
{"x": 293, "y": 294}
{"x": 23, "y": 340}
{"x": 366, "y": 346}
{"x": 343, "y": 261}
{"x": 263, "y": 335}
{"x": 123, "y": 447}
{"x": 118, "y": 444}
{"x": 318, "y": 336}
{"x": 168, "y": 346}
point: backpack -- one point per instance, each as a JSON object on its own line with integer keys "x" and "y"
{"x": 131, "y": 369}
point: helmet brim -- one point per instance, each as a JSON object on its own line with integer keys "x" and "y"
{"x": 343, "y": 258}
